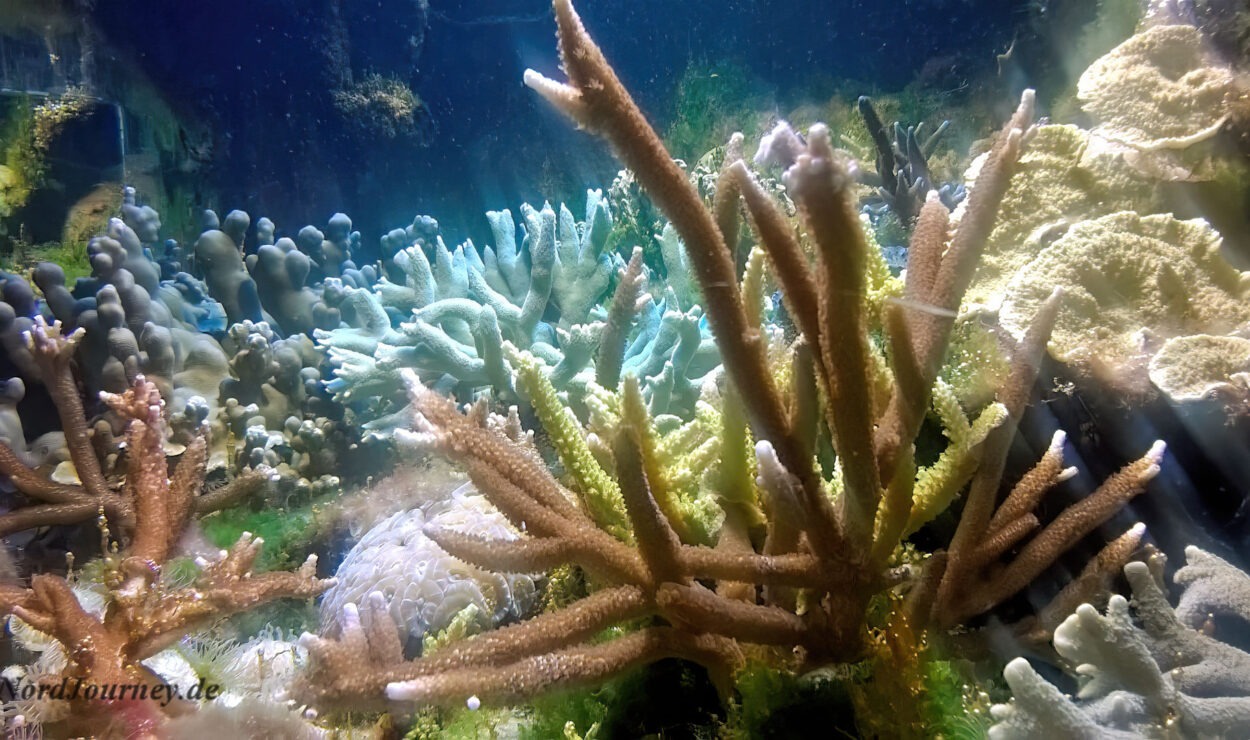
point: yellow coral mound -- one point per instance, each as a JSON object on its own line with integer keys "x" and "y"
{"x": 1065, "y": 176}
{"x": 1157, "y": 90}
{"x": 1187, "y": 368}
{"x": 1131, "y": 282}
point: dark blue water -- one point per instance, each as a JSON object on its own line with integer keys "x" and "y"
{"x": 257, "y": 76}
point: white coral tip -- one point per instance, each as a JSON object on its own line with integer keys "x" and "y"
{"x": 1018, "y": 670}
{"x": 350, "y": 618}
{"x": 405, "y": 690}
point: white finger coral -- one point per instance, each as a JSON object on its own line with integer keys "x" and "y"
{"x": 1145, "y": 672}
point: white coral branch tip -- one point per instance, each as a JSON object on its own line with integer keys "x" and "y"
{"x": 565, "y": 97}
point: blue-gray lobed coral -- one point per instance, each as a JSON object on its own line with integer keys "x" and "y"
{"x": 453, "y": 316}
{"x": 1161, "y": 674}
{"x": 195, "y": 324}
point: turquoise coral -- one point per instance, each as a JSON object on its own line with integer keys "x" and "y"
{"x": 449, "y": 314}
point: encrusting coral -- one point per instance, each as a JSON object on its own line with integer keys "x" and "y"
{"x": 1086, "y": 213}
{"x": 1193, "y": 367}
{"x": 150, "y": 509}
{"x": 1132, "y": 283}
{"x": 793, "y": 566}
{"x": 1067, "y": 175}
{"x": 1157, "y": 90}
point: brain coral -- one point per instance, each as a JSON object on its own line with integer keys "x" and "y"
{"x": 1131, "y": 282}
{"x": 1157, "y": 90}
{"x": 424, "y": 586}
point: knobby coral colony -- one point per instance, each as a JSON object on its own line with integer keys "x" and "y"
{"x": 829, "y": 531}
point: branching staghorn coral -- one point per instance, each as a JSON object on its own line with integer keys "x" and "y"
{"x": 60, "y": 503}
{"x": 153, "y": 507}
{"x": 823, "y": 557}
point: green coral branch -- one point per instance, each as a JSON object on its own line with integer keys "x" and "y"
{"x": 599, "y": 493}
{"x": 938, "y": 484}
{"x": 737, "y": 464}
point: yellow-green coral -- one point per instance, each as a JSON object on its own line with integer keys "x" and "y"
{"x": 682, "y": 507}
{"x": 938, "y": 484}
{"x": 598, "y": 491}
{"x": 881, "y": 286}
{"x": 684, "y": 459}
{"x": 1186, "y": 368}
{"x": 737, "y": 464}
{"x": 1158, "y": 90}
{"x": 975, "y": 366}
{"x": 466, "y": 623}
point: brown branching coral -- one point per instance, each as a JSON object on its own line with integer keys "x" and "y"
{"x": 144, "y": 614}
{"x": 807, "y": 585}
{"x": 95, "y": 495}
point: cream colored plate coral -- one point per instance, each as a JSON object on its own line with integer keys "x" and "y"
{"x": 1157, "y": 90}
{"x": 1131, "y": 282}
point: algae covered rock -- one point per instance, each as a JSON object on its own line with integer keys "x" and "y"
{"x": 1131, "y": 283}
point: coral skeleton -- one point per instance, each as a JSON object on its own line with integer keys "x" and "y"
{"x": 805, "y": 584}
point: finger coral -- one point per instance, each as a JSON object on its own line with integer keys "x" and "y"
{"x": 1149, "y": 670}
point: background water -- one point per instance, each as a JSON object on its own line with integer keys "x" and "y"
{"x": 240, "y": 92}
